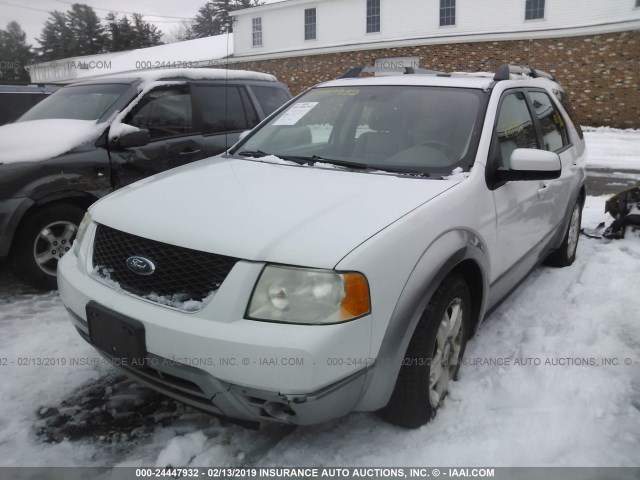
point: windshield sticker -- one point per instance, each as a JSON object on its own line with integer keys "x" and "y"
{"x": 334, "y": 91}
{"x": 295, "y": 113}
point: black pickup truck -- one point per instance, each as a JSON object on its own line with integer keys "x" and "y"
{"x": 92, "y": 137}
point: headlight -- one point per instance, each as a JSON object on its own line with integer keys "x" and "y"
{"x": 82, "y": 229}
{"x": 307, "y": 296}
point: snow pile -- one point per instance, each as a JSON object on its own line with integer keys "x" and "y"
{"x": 38, "y": 140}
{"x": 612, "y": 148}
{"x": 154, "y": 75}
{"x": 181, "y": 450}
{"x": 457, "y": 174}
{"x": 119, "y": 129}
{"x": 180, "y": 301}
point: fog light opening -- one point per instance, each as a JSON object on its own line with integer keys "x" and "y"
{"x": 277, "y": 410}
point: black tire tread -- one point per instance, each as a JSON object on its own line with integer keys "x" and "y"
{"x": 409, "y": 405}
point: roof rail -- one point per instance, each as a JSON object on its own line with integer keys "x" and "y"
{"x": 504, "y": 72}
{"x": 356, "y": 71}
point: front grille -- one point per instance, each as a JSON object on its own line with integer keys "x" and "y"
{"x": 181, "y": 274}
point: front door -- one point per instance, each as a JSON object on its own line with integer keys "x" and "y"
{"x": 167, "y": 113}
{"x": 525, "y": 210}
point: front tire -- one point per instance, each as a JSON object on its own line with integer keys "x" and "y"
{"x": 41, "y": 241}
{"x": 433, "y": 356}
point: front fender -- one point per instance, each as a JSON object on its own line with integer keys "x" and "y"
{"x": 439, "y": 259}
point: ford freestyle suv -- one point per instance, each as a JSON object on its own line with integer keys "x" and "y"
{"x": 98, "y": 135}
{"x": 340, "y": 256}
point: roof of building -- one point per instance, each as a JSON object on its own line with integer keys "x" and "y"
{"x": 201, "y": 52}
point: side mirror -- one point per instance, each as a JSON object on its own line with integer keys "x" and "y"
{"x": 134, "y": 138}
{"x": 531, "y": 164}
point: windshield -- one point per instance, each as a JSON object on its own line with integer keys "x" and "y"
{"x": 82, "y": 102}
{"x": 396, "y": 128}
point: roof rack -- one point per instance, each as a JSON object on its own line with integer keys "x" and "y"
{"x": 504, "y": 72}
{"x": 356, "y": 71}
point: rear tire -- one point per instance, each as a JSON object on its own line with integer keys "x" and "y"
{"x": 41, "y": 240}
{"x": 433, "y": 356}
{"x": 566, "y": 254}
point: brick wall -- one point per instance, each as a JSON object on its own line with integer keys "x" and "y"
{"x": 601, "y": 73}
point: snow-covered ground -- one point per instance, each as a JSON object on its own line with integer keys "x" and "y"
{"x": 613, "y": 148}
{"x": 571, "y": 409}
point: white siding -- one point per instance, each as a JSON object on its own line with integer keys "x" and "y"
{"x": 341, "y": 23}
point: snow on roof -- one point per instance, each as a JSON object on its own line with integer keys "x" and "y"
{"x": 462, "y": 81}
{"x": 158, "y": 74}
{"x": 201, "y": 52}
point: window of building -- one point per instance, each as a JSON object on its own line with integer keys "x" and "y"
{"x": 256, "y": 31}
{"x": 310, "y": 24}
{"x": 373, "y": 16}
{"x": 447, "y": 12}
{"x": 534, "y": 9}
{"x": 637, "y": 3}
{"x": 554, "y": 132}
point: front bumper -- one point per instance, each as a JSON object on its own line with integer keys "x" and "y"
{"x": 217, "y": 361}
{"x": 11, "y": 212}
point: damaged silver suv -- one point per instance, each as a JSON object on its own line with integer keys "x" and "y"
{"x": 340, "y": 256}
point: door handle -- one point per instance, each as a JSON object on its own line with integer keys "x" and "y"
{"x": 544, "y": 187}
{"x": 190, "y": 152}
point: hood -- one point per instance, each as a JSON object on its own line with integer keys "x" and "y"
{"x": 260, "y": 211}
{"x": 38, "y": 140}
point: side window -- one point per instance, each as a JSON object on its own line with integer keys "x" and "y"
{"x": 554, "y": 132}
{"x": 14, "y": 105}
{"x": 514, "y": 128}
{"x": 223, "y": 109}
{"x": 165, "y": 113}
{"x": 270, "y": 98}
{"x": 572, "y": 114}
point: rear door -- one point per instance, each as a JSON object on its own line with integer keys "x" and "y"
{"x": 554, "y": 138}
{"x": 525, "y": 210}
{"x": 167, "y": 112}
{"x": 222, "y": 113}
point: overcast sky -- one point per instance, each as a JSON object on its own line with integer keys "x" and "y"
{"x": 32, "y": 15}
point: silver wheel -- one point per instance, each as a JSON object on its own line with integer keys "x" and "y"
{"x": 447, "y": 350}
{"x": 574, "y": 232}
{"x": 52, "y": 243}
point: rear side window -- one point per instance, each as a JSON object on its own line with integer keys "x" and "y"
{"x": 564, "y": 100}
{"x": 14, "y": 105}
{"x": 270, "y": 98}
{"x": 554, "y": 133}
{"x": 514, "y": 128}
{"x": 223, "y": 109}
{"x": 165, "y": 113}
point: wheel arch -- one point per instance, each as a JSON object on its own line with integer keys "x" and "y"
{"x": 456, "y": 251}
{"x": 79, "y": 199}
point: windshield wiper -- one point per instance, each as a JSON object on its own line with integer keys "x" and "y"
{"x": 395, "y": 169}
{"x": 341, "y": 163}
{"x": 253, "y": 153}
{"x": 312, "y": 160}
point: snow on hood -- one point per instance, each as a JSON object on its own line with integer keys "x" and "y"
{"x": 38, "y": 140}
{"x": 265, "y": 211}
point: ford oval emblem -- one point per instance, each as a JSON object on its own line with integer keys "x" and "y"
{"x": 141, "y": 265}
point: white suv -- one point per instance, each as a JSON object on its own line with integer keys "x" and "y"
{"x": 340, "y": 256}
